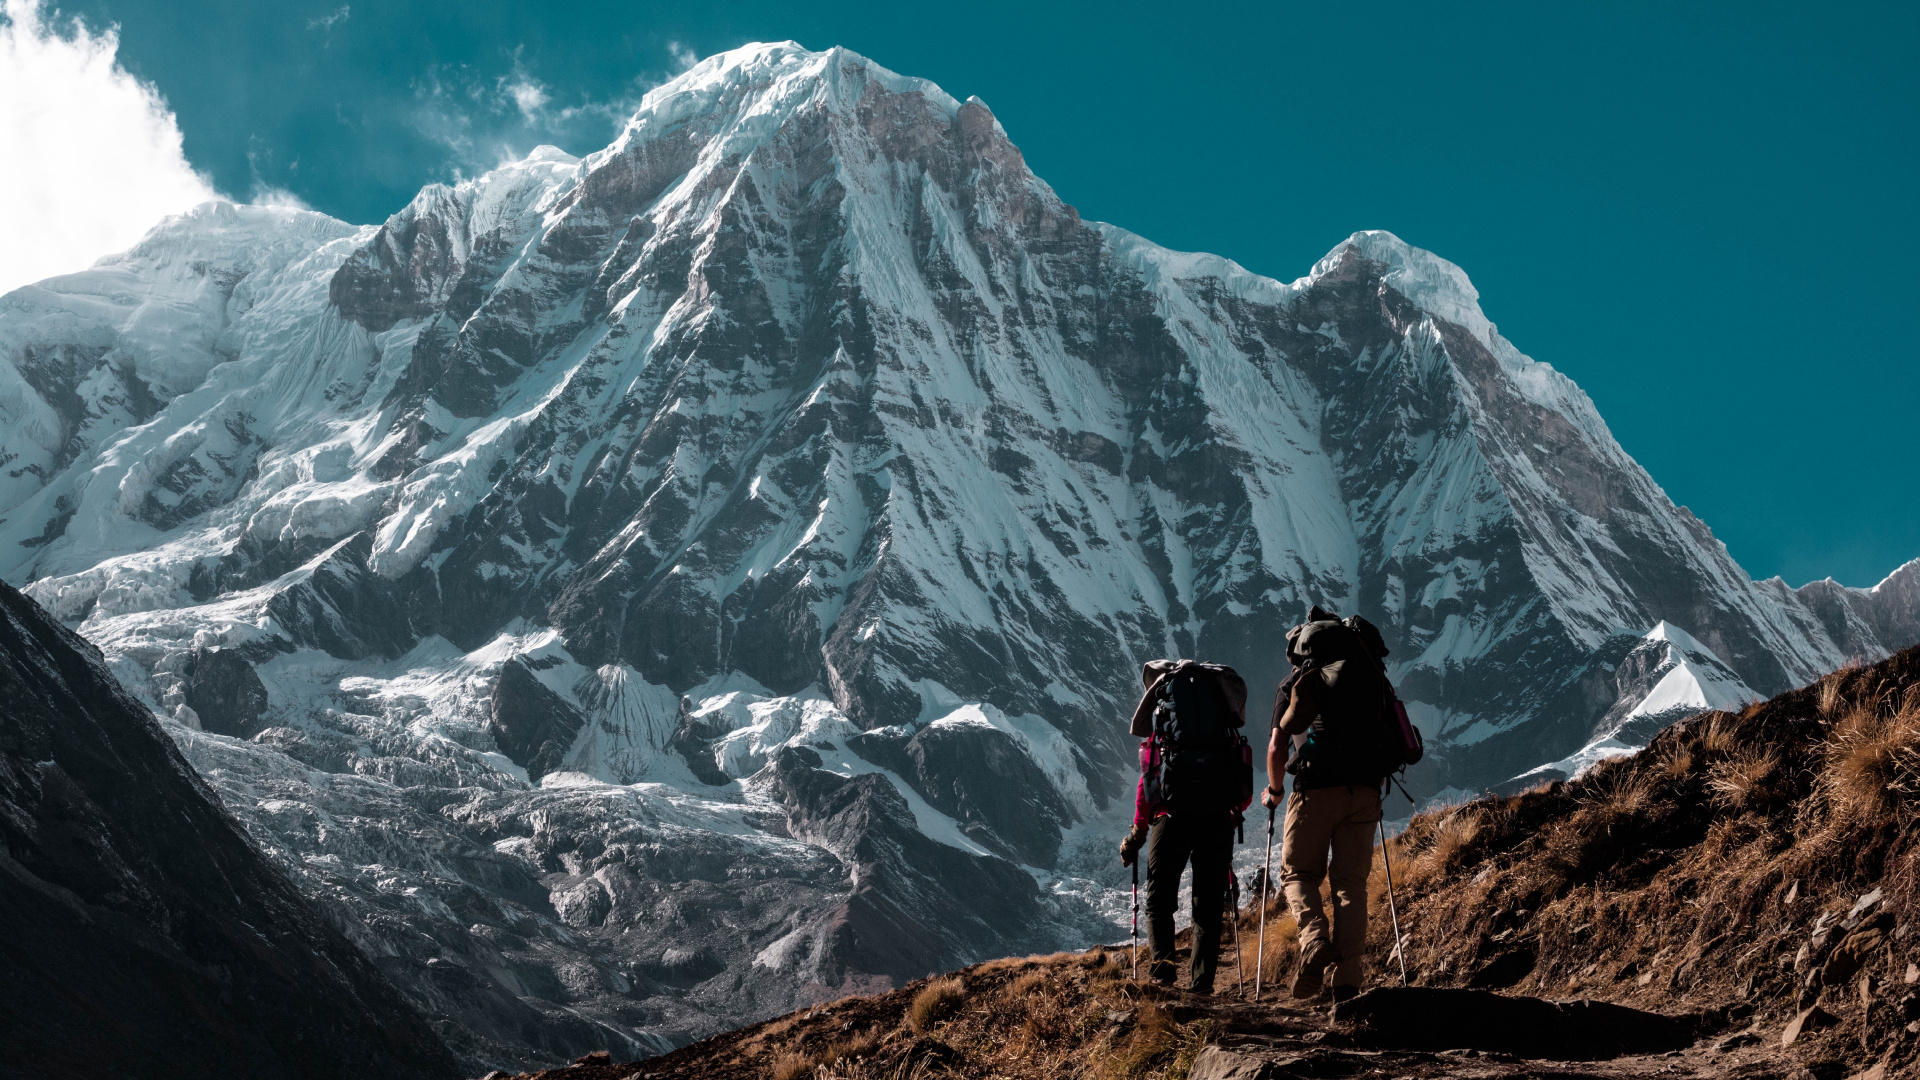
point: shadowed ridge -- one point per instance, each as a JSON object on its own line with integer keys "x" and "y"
{"x": 145, "y": 936}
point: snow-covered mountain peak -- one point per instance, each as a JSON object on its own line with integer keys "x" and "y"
{"x": 1666, "y": 631}
{"x": 749, "y": 92}
{"x": 1665, "y": 675}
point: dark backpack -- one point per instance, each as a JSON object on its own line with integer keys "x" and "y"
{"x": 1362, "y": 734}
{"x": 1197, "y": 760}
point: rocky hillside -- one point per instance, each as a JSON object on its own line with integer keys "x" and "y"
{"x": 629, "y": 590}
{"x": 1764, "y": 861}
{"x": 144, "y": 935}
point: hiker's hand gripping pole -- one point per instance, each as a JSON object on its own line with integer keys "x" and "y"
{"x": 1266, "y": 879}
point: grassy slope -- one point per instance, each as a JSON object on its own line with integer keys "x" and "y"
{"x": 1694, "y": 875}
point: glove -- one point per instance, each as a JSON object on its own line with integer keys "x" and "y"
{"x": 1270, "y": 798}
{"x": 1130, "y": 846}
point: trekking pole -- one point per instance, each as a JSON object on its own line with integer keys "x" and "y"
{"x": 1266, "y": 879}
{"x": 1135, "y": 934}
{"x": 1239, "y": 954}
{"x": 1399, "y": 943}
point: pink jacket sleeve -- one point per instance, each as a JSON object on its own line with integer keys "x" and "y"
{"x": 1142, "y": 814}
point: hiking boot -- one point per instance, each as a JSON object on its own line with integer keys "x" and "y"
{"x": 1307, "y": 984}
{"x": 1311, "y": 978}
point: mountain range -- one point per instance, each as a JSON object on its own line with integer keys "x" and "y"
{"x": 649, "y": 591}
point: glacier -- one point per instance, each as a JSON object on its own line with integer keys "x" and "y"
{"x": 643, "y": 592}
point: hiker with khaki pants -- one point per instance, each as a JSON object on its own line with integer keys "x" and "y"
{"x": 1321, "y": 718}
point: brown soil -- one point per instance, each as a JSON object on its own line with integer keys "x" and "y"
{"x": 1717, "y": 878}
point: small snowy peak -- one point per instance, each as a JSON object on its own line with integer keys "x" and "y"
{"x": 1431, "y": 282}
{"x": 1666, "y": 676}
{"x": 1685, "y": 677}
{"x": 547, "y": 153}
{"x": 1442, "y": 289}
{"x": 1906, "y": 576}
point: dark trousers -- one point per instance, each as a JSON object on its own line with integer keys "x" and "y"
{"x": 1173, "y": 842}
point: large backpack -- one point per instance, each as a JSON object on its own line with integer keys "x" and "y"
{"x": 1362, "y": 734}
{"x": 1196, "y": 761}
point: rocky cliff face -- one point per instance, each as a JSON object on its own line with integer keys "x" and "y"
{"x": 558, "y": 514}
{"x": 145, "y": 935}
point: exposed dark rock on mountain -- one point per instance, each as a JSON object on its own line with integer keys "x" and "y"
{"x": 917, "y": 905}
{"x": 983, "y": 779}
{"x": 224, "y": 692}
{"x": 144, "y": 935}
{"x": 531, "y": 724}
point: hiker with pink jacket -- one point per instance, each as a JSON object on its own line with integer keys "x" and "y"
{"x": 1196, "y": 781}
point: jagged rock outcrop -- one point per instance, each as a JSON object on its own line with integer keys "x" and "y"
{"x": 145, "y": 935}
{"x": 916, "y": 904}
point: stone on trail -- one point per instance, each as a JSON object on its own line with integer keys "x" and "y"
{"x": 1435, "y": 1018}
{"x": 1213, "y": 1063}
{"x": 1811, "y": 1018}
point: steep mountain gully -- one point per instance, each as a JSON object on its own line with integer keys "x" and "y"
{"x": 1734, "y": 901}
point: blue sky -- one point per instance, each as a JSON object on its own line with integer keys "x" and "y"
{"x": 1705, "y": 214}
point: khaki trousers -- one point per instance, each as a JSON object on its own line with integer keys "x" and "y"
{"x": 1339, "y": 820}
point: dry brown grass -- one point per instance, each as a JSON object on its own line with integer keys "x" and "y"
{"x": 1870, "y": 758}
{"x": 1740, "y": 780}
{"x": 1154, "y": 1040}
{"x": 1030, "y": 983}
{"x": 1282, "y": 938}
{"x": 849, "y": 1049}
{"x": 1618, "y": 790}
{"x": 1721, "y": 733}
{"x": 788, "y": 1065}
{"x": 1450, "y": 837}
{"x": 939, "y": 1000}
{"x": 1677, "y": 764}
{"x": 1831, "y": 694}
{"x": 1022, "y": 1018}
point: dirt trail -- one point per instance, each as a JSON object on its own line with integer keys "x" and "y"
{"x": 1079, "y": 1015}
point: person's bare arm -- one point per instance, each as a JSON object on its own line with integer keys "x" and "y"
{"x": 1276, "y": 766}
{"x": 1298, "y": 714}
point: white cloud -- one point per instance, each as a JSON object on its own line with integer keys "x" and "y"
{"x": 682, "y": 55}
{"x": 485, "y": 122}
{"x": 92, "y": 155}
{"x": 327, "y": 21}
{"x": 528, "y": 95}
